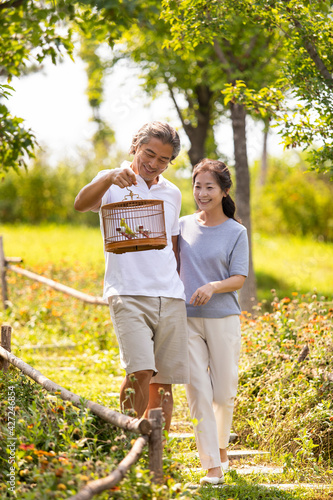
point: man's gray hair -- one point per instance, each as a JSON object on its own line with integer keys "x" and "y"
{"x": 162, "y": 131}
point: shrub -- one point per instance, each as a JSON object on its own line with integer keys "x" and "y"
{"x": 284, "y": 403}
{"x": 293, "y": 201}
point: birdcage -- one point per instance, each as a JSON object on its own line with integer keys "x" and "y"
{"x": 134, "y": 225}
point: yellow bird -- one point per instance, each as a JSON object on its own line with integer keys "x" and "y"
{"x": 128, "y": 230}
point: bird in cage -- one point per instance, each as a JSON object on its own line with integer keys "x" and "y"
{"x": 126, "y": 230}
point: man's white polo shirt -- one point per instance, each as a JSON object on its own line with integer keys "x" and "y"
{"x": 151, "y": 273}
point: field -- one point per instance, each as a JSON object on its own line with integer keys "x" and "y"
{"x": 284, "y": 407}
{"x": 286, "y": 264}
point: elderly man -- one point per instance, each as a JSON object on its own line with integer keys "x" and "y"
{"x": 145, "y": 293}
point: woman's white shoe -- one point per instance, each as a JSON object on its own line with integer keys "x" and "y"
{"x": 212, "y": 480}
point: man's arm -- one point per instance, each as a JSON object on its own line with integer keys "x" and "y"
{"x": 90, "y": 196}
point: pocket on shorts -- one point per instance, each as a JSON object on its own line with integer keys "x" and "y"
{"x": 115, "y": 303}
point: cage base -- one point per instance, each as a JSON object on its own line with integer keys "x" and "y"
{"x": 136, "y": 245}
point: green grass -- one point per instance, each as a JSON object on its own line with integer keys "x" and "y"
{"x": 46, "y": 244}
{"x": 284, "y": 263}
{"x": 292, "y": 264}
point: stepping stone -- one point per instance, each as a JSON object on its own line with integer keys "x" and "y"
{"x": 284, "y": 487}
{"x": 278, "y": 486}
{"x": 181, "y": 435}
{"x": 237, "y": 454}
{"x": 189, "y": 435}
{"x": 298, "y": 485}
{"x": 243, "y": 470}
{"x": 232, "y": 454}
{"x": 247, "y": 469}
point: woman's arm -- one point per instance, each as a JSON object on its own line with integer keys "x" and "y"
{"x": 204, "y": 293}
{"x": 175, "y": 248}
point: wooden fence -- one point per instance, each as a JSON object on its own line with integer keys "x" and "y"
{"x": 150, "y": 429}
{"x": 5, "y": 264}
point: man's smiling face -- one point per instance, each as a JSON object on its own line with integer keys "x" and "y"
{"x": 151, "y": 159}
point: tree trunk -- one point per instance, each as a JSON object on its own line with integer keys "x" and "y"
{"x": 198, "y": 134}
{"x": 197, "y": 150}
{"x": 238, "y": 117}
{"x": 264, "y": 159}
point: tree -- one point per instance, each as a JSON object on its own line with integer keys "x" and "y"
{"x": 198, "y": 22}
{"x": 305, "y": 32}
{"x": 197, "y": 75}
{"x": 16, "y": 143}
{"x": 308, "y": 28}
{"x": 29, "y": 32}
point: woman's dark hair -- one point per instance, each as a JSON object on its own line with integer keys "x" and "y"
{"x": 222, "y": 175}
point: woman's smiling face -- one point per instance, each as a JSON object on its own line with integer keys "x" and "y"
{"x": 207, "y": 192}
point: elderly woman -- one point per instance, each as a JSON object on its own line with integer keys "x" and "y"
{"x": 213, "y": 255}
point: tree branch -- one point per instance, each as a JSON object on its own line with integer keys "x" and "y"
{"x": 10, "y": 4}
{"x": 252, "y": 44}
{"x": 312, "y": 51}
{"x": 204, "y": 98}
{"x": 221, "y": 57}
{"x": 172, "y": 95}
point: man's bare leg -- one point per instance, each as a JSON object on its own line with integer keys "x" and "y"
{"x": 160, "y": 396}
{"x": 134, "y": 392}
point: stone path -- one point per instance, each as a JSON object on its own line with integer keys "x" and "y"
{"x": 189, "y": 435}
{"x": 244, "y": 469}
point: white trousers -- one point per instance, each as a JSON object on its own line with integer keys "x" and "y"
{"x": 214, "y": 345}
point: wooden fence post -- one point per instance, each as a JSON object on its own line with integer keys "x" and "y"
{"x": 155, "y": 445}
{"x": 6, "y": 335}
{"x": 3, "y": 275}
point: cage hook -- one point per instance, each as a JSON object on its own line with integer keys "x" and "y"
{"x": 131, "y": 195}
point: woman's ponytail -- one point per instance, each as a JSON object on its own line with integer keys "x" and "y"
{"x": 229, "y": 207}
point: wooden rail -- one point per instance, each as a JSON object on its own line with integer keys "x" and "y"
{"x": 94, "y": 487}
{"x": 5, "y": 265}
{"x": 150, "y": 429}
{"x": 58, "y": 286}
{"x": 113, "y": 417}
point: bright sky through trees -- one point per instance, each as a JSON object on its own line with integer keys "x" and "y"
{"x": 54, "y": 105}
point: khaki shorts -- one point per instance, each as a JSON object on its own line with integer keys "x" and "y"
{"x": 152, "y": 335}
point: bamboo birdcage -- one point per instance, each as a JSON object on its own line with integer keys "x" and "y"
{"x": 134, "y": 225}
